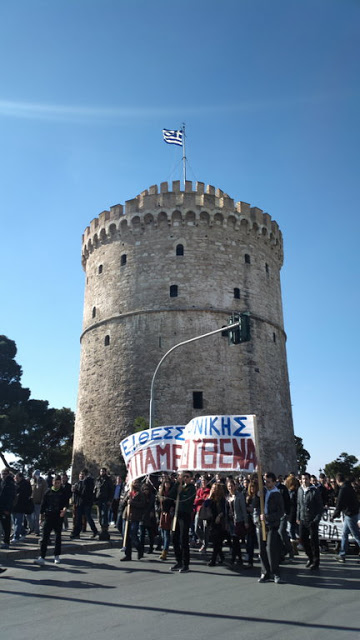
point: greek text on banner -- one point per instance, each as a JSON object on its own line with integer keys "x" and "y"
{"x": 206, "y": 443}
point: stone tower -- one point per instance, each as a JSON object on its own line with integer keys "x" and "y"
{"x": 169, "y": 266}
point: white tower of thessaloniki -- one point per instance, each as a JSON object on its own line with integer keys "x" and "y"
{"x": 169, "y": 266}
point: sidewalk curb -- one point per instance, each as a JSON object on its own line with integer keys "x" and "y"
{"x": 80, "y": 546}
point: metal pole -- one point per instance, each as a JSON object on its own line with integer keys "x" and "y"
{"x": 180, "y": 344}
{"x": 184, "y": 154}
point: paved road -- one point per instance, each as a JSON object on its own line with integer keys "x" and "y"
{"x": 93, "y": 595}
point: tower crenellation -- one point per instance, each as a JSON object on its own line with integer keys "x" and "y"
{"x": 204, "y": 199}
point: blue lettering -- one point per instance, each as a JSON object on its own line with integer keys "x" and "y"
{"x": 238, "y": 432}
{"x": 225, "y": 427}
{"x": 144, "y": 437}
{"x": 198, "y": 426}
{"x": 156, "y": 433}
{"x": 179, "y": 435}
{"x": 124, "y": 446}
{"x": 168, "y": 434}
{"x": 212, "y": 427}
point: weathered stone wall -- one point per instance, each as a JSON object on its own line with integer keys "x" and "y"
{"x": 128, "y": 304}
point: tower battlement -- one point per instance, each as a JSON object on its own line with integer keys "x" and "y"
{"x": 200, "y": 206}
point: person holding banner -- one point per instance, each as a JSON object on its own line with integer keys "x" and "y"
{"x": 183, "y": 492}
{"x": 270, "y": 549}
{"x": 237, "y": 519}
{"x": 217, "y": 504}
{"x": 134, "y": 506}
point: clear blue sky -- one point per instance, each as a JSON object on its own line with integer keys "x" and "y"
{"x": 270, "y": 95}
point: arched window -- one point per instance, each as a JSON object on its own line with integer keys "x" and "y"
{"x": 94, "y": 312}
{"x": 247, "y": 258}
{"x": 107, "y": 341}
{"x": 179, "y": 249}
{"x": 237, "y": 293}
{"x": 100, "y": 268}
{"x": 266, "y": 267}
{"x": 123, "y": 259}
{"x": 173, "y": 291}
{"x": 274, "y": 337}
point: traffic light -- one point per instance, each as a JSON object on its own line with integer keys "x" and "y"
{"x": 241, "y": 333}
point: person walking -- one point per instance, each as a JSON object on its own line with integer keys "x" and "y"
{"x": 7, "y": 499}
{"x": 39, "y": 488}
{"x": 52, "y": 510}
{"x": 183, "y": 492}
{"x": 21, "y": 506}
{"x": 133, "y": 511}
{"x": 347, "y": 504}
{"x": 309, "y": 510}
{"x": 83, "y": 491}
{"x": 270, "y": 549}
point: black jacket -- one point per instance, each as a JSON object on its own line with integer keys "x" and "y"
{"x": 84, "y": 492}
{"x": 53, "y": 502}
{"x": 347, "y": 501}
{"x": 23, "y": 493}
{"x": 309, "y": 505}
{"x": 104, "y": 489}
{"x": 275, "y": 510}
{"x": 7, "y": 494}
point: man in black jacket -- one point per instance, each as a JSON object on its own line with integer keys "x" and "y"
{"x": 52, "y": 511}
{"x": 104, "y": 490}
{"x": 348, "y": 504}
{"x": 270, "y": 549}
{"x": 83, "y": 491}
{"x": 7, "y": 499}
{"x": 309, "y": 510}
{"x": 21, "y": 505}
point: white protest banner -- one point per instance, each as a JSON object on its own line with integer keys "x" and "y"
{"x": 332, "y": 530}
{"x": 206, "y": 443}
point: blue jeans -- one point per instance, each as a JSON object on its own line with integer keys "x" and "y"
{"x": 350, "y": 526}
{"x": 83, "y": 509}
{"x": 19, "y": 529}
{"x": 103, "y": 508}
{"x": 165, "y": 536}
{"x": 133, "y": 539}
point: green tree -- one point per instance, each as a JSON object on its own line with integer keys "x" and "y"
{"x": 345, "y": 464}
{"x": 38, "y": 435}
{"x": 302, "y": 455}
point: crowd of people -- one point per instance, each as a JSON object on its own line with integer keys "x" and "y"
{"x": 202, "y": 513}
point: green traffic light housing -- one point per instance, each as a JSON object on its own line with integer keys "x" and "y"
{"x": 241, "y": 333}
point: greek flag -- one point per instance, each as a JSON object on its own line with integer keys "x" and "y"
{"x": 173, "y": 137}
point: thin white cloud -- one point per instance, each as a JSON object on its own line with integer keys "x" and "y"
{"x": 78, "y": 114}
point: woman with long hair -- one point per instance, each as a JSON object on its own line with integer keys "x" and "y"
{"x": 201, "y": 528}
{"x": 166, "y": 512}
{"x": 292, "y": 484}
{"x": 216, "y": 502}
{"x": 252, "y": 501}
{"x": 237, "y": 519}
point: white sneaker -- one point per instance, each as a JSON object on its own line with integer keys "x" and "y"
{"x": 56, "y": 560}
{"x": 39, "y": 560}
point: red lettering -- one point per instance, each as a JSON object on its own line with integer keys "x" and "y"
{"x": 184, "y": 464}
{"x": 176, "y": 448}
{"x": 208, "y": 453}
{"x": 160, "y": 453}
{"x": 239, "y": 454}
{"x": 196, "y": 446}
{"x": 251, "y": 454}
{"x": 224, "y": 453}
{"x": 149, "y": 461}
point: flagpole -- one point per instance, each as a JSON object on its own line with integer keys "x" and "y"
{"x": 184, "y": 154}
